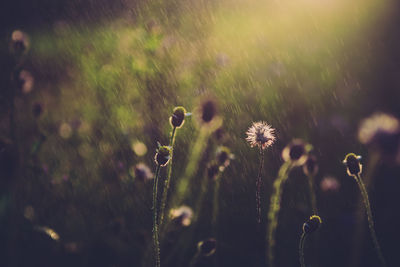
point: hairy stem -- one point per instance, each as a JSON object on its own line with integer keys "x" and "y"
{"x": 258, "y": 186}
{"x": 167, "y": 181}
{"x": 155, "y": 223}
{"x": 370, "y": 218}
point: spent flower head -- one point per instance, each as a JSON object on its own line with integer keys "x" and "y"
{"x": 352, "y": 162}
{"x": 178, "y": 117}
{"x": 296, "y": 152}
{"x": 163, "y": 155}
{"x": 312, "y": 224}
{"x": 260, "y": 134}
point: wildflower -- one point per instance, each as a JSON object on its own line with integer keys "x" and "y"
{"x": 296, "y": 152}
{"x": 182, "y": 215}
{"x": 312, "y": 224}
{"x": 163, "y": 155}
{"x": 310, "y": 168}
{"x": 352, "y": 162}
{"x": 381, "y": 131}
{"x": 142, "y": 172}
{"x": 260, "y": 134}
{"x": 178, "y": 117}
{"x": 207, "y": 247}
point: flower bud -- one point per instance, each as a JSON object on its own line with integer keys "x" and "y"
{"x": 163, "y": 155}
{"x": 312, "y": 224}
{"x": 352, "y": 162}
{"x": 178, "y": 117}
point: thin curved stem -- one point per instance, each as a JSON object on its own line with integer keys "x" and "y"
{"x": 167, "y": 181}
{"x": 155, "y": 223}
{"x": 370, "y": 218}
{"x": 301, "y": 249}
{"x": 275, "y": 205}
{"x": 312, "y": 194}
{"x": 258, "y": 186}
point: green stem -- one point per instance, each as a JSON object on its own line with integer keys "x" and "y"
{"x": 155, "y": 225}
{"x": 167, "y": 181}
{"x": 301, "y": 249}
{"x": 199, "y": 202}
{"x": 370, "y": 218}
{"x": 275, "y": 205}
{"x": 191, "y": 168}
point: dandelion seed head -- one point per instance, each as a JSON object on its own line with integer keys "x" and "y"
{"x": 260, "y": 134}
{"x": 352, "y": 162}
{"x": 182, "y": 215}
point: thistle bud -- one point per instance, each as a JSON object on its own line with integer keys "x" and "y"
{"x": 163, "y": 155}
{"x": 312, "y": 224}
{"x": 178, "y": 117}
{"x": 352, "y": 162}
